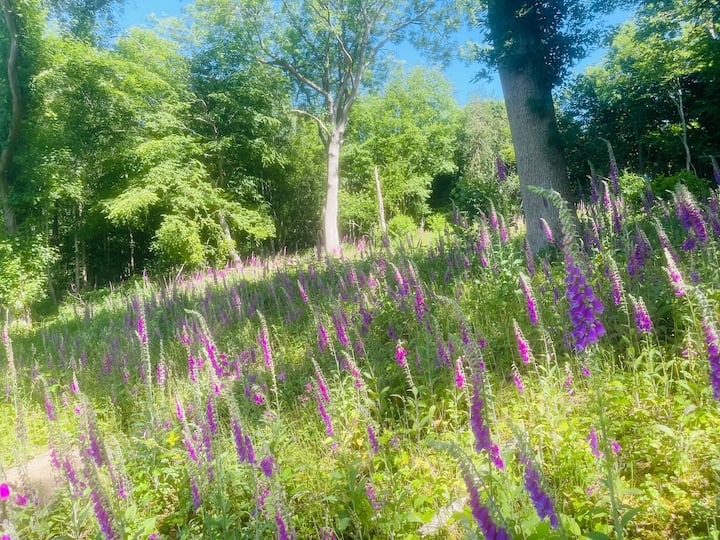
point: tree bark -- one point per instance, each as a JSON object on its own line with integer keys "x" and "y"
{"x": 8, "y": 152}
{"x": 539, "y": 157}
{"x": 331, "y": 234}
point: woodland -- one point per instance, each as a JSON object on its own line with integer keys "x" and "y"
{"x": 206, "y": 138}
{"x": 260, "y": 279}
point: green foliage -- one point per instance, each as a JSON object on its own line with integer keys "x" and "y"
{"x": 662, "y": 185}
{"x": 23, "y": 281}
{"x": 178, "y": 241}
{"x": 401, "y": 226}
{"x": 632, "y": 186}
{"x": 409, "y": 133}
{"x": 437, "y": 223}
{"x": 484, "y": 144}
{"x": 656, "y": 67}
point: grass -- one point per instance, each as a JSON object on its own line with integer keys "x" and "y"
{"x": 211, "y": 405}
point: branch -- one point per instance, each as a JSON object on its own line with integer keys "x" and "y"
{"x": 319, "y": 122}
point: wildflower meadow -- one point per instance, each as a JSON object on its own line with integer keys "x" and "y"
{"x": 444, "y": 385}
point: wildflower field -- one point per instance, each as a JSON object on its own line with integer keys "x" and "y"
{"x": 448, "y": 386}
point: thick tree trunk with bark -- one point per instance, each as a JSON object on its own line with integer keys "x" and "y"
{"x": 8, "y": 151}
{"x": 331, "y": 234}
{"x": 539, "y": 157}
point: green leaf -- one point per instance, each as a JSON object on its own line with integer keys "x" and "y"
{"x": 597, "y": 535}
{"x": 631, "y": 513}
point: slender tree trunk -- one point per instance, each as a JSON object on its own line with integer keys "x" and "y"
{"x": 539, "y": 157}
{"x": 8, "y": 152}
{"x": 381, "y": 205}
{"x": 330, "y": 212}
{"x": 229, "y": 240}
{"x": 132, "y": 254}
{"x": 683, "y": 123}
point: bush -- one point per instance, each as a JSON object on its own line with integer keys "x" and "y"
{"x": 632, "y": 186}
{"x": 400, "y": 226}
{"x": 437, "y": 223}
{"x": 177, "y": 241}
{"x": 697, "y": 186}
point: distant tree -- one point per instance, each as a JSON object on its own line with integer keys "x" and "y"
{"x": 654, "y": 95}
{"x": 533, "y": 44}
{"x": 328, "y": 48}
{"x": 409, "y": 132}
{"x": 486, "y": 159}
{"x": 84, "y": 19}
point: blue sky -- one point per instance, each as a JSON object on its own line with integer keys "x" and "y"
{"x": 136, "y": 12}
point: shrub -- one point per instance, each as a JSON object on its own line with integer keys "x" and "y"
{"x": 697, "y": 186}
{"x": 177, "y": 241}
{"x": 401, "y": 225}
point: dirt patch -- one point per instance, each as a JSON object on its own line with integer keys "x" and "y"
{"x": 40, "y": 475}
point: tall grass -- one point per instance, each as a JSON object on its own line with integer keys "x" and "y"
{"x": 451, "y": 388}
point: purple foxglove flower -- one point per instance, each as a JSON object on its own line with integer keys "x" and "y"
{"x": 690, "y": 216}
{"x": 372, "y": 497}
{"x": 676, "y": 279}
{"x": 101, "y": 508}
{"x": 546, "y": 229}
{"x": 493, "y": 217}
{"x": 541, "y": 501}
{"x": 481, "y": 429}
{"x": 481, "y": 513}
{"x": 267, "y": 465}
{"x": 643, "y": 323}
{"x": 372, "y": 438}
{"x": 584, "y": 308}
{"x": 501, "y": 168}
{"x": 264, "y": 341}
{"x": 340, "y": 329}
{"x": 421, "y": 308}
{"x": 283, "y": 532}
{"x": 303, "y": 292}
{"x": 522, "y": 343}
{"x": 503, "y": 230}
{"x": 400, "y": 354}
{"x": 324, "y": 415}
{"x": 593, "y": 442}
{"x": 529, "y": 259}
{"x": 459, "y": 373}
{"x": 712, "y": 344}
{"x": 516, "y": 379}
{"x": 529, "y": 298}
{"x": 322, "y": 338}
{"x": 639, "y": 255}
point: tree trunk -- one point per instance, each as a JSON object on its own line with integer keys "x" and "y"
{"x": 539, "y": 157}
{"x": 683, "y": 123}
{"x": 8, "y": 151}
{"x": 381, "y": 205}
{"x": 229, "y": 240}
{"x": 331, "y": 236}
